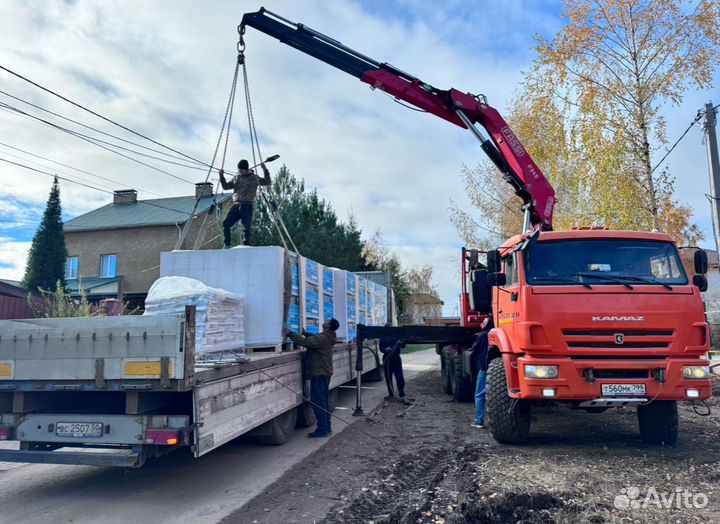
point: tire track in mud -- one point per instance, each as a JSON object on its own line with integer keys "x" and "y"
{"x": 435, "y": 469}
{"x": 408, "y": 482}
{"x": 444, "y": 486}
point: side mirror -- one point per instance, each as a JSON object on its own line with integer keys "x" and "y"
{"x": 701, "y": 261}
{"x": 480, "y": 294}
{"x": 493, "y": 261}
{"x": 700, "y": 281}
{"x": 497, "y": 279}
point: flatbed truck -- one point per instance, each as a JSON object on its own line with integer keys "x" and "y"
{"x": 114, "y": 391}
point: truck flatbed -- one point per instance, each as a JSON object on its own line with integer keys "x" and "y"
{"x": 132, "y": 385}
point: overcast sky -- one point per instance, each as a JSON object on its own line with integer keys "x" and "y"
{"x": 164, "y": 68}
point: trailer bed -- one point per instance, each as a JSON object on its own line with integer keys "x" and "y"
{"x": 118, "y": 382}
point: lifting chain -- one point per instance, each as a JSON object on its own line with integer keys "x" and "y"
{"x": 241, "y": 44}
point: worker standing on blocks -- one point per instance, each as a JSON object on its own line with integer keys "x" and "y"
{"x": 244, "y": 186}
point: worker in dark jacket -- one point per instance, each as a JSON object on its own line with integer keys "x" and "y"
{"x": 244, "y": 186}
{"x": 480, "y": 353}
{"x": 392, "y": 366}
{"x": 320, "y": 352}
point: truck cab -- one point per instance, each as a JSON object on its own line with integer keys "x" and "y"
{"x": 596, "y": 319}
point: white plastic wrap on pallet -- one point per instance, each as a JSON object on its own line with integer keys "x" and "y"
{"x": 257, "y": 273}
{"x": 219, "y": 318}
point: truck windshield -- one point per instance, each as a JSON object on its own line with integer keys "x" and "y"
{"x": 604, "y": 263}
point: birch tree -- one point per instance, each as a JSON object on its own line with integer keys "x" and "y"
{"x": 619, "y": 62}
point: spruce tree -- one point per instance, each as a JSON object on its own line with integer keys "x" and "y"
{"x": 46, "y": 261}
{"x": 312, "y": 223}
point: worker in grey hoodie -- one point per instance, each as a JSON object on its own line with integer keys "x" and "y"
{"x": 244, "y": 186}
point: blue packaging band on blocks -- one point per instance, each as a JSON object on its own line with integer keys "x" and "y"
{"x": 328, "y": 282}
{"x": 328, "y": 311}
{"x": 312, "y": 298}
{"x": 312, "y": 325}
{"x": 311, "y": 271}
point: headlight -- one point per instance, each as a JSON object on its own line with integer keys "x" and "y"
{"x": 541, "y": 372}
{"x": 696, "y": 372}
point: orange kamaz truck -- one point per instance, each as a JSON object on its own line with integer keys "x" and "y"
{"x": 594, "y": 319}
{"x": 590, "y": 318}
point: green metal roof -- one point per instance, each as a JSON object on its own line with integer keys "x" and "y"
{"x": 88, "y": 284}
{"x": 143, "y": 213}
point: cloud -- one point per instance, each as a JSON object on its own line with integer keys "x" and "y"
{"x": 165, "y": 70}
{"x": 13, "y": 258}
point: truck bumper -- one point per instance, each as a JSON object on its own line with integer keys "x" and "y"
{"x": 87, "y": 439}
{"x": 122, "y": 458}
{"x": 582, "y": 379}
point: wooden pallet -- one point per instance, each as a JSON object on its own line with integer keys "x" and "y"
{"x": 277, "y": 348}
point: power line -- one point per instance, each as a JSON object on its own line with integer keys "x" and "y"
{"x": 71, "y": 167}
{"x": 90, "y": 140}
{"x": 50, "y": 91}
{"x": 88, "y": 185}
{"x": 489, "y": 230}
{"x": 61, "y": 172}
{"x": 58, "y": 115}
{"x": 3, "y": 221}
{"x": 695, "y": 121}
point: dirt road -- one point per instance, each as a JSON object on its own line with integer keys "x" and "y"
{"x": 173, "y": 489}
{"x": 430, "y": 466}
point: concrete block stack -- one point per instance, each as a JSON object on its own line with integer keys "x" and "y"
{"x": 256, "y": 273}
{"x": 328, "y": 296}
{"x": 281, "y": 287}
{"x": 294, "y": 322}
{"x": 310, "y": 283}
{"x": 345, "y": 295}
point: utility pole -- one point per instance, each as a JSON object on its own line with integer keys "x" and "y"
{"x": 714, "y": 168}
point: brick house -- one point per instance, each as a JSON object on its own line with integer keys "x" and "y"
{"x": 114, "y": 251}
{"x": 420, "y": 307}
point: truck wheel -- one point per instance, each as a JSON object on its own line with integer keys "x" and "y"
{"x": 281, "y": 429}
{"x": 333, "y": 399}
{"x": 305, "y": 416}
{"x": 463, "y": 386}
{"x": 445, "y": 373}
{"x": 659, "y": 422}
{"x": 509, "y": 418}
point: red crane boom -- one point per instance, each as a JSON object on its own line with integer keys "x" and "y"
{"x": 462, "y": 109}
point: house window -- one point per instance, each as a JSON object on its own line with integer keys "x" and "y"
{"x": 71, "y": 267}
{"x": 108, "y": 265}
